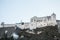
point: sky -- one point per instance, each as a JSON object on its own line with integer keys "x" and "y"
{"x": 13, "y": 11}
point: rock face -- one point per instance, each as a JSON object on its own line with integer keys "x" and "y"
{"x": 45, "y": 33}
{"x": 6, "y": 32}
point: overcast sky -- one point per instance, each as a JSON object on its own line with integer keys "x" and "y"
{"x": 13, "y": 11}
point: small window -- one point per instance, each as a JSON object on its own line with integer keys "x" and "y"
{"x": 44, "y": 20}
{"x": 44, "y": 24}
{"x": 34, "y": 20}
{"x": 32, "y": 24}
{"x": 41, "y": 24}
{"x": 39, "y": 20}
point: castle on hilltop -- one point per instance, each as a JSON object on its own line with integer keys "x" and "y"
{"x": 44, "y": 21}
{"x": 36, "y": 22}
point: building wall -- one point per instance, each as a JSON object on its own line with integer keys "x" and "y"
{"x": 36, "y": 22}
{"x": 44, "y": 21}
{"x": 58, "y": 23}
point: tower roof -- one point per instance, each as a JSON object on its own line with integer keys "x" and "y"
{"x": 53, "y": 13}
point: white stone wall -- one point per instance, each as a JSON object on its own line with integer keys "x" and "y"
{"x": 8, "y": 25}
{"x": 44, "y": 21}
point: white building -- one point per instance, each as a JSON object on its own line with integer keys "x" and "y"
{"x": 44, "y": 21}
{"x": 37, "y": 22}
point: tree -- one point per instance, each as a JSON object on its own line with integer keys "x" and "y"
{"x": 2, "y": 24}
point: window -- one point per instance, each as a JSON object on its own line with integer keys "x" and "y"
{"x": 32, "y": 24}
{"x": 44, "y": 24}
{"x": 44, "y": 20}
{"x": 34, "y": 20}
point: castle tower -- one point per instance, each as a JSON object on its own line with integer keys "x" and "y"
{"x": 53, "y": 16}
